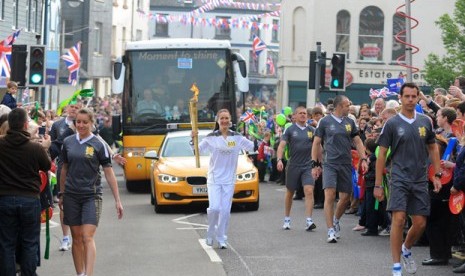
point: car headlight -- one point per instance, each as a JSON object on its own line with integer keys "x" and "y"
{"x": 166, "y": 178}
{"x": 245, "y": 176}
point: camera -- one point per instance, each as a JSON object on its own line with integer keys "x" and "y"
{"x": 41, "y": 131}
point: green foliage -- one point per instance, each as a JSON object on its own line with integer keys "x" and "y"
{"x": 441, "y": 71}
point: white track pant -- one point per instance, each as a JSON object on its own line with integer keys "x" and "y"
{"x": 219, "y": 210}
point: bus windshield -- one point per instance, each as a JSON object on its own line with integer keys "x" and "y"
{"x": 158, "y": 91}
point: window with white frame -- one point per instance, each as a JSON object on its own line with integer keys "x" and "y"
{"x": 28, "y": 15}
{"x": 123, "y": 39}
{"x": 223, "y": 30}
{"x": 161, "y": 25}
{"x": 138, "y": 35}
{"x": 114, "y": 40}
{"x": 371, "y": 34}
{"x": 272, "y": 62}
{"x": 398, "y": 49}
{"x": 36, "y": 15}
{"x": 254, "y": 28}
{"x": 343, "y": 32}
{"x": 98, "y": 37}
{"x": 253, "y": 62}
{"x": 275, "y": 31}
{"x": 14, "y": 22}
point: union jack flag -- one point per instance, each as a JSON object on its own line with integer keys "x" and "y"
{"x": 248, "y": 117}
{"x": 5, "y": 51}
{"x": 271, "y": 69}
{"x": 382, "y": 93}
{"x": 257, "y": 46}
{"x": 73, "y": 62}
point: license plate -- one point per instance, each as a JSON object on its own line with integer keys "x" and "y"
{"x": 199, "y": 190}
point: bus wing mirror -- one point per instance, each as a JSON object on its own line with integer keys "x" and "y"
{"x": 240, "y": 71}
{"x": 119, "y": 69}
{"x": 116, "y": 124}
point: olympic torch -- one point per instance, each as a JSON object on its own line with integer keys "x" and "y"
{"x": 193, "y": 113}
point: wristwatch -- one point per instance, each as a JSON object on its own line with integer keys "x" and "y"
{"x": 314, "y": 164}
{"x": 438, "y": 175}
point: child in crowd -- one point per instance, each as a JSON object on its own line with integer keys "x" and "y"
{"x": 265, "y": 152}
{"x": 373, "y": 214}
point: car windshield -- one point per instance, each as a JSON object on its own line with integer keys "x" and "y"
{"x": 179, "y": 147}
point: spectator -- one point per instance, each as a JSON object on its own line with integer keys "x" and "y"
{"x": 106, "y": 131}
{"x": 20, "y": 162}
{"x": 9, "y": 99}
{"x": 380, "y": 105}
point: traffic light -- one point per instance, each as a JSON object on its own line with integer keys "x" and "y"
{"x": 18, "y": 64}
{"x": 312, "y": 70}
{"x": 36, "y": 65}
{"x": 338, "y": 72}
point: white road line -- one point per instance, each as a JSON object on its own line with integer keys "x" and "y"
{"x": 241, "y": 259}
{"x": 180, "y": 221}
{"x": 281, "y": 189}
{"x": 191, "y": 228}
{"x": 210, "y": 252}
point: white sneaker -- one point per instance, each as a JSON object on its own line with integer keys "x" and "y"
{"x": 337, "y": 230}
{"x": 309, "y": 225}
{"x": 287, "y": 224}
{"x": 222, "y": 245}
{"x": 409, "y": 263}
{"x": 397, "y": 271}
{"x": 331, "y": 236}
{"x": 385, "y": 232}
{"x": 209, "y": 241}
{"x": 65, "y": 245}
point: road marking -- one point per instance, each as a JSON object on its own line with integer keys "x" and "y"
{"x": 241, "y": 259}
{"x": 210, "y": 252}
{"x": 281, "y": 189}
{"x": 181, "y": 221}
{"x": 190, "y": 228}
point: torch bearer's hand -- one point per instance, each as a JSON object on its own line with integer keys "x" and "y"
{"x": 194, "y": 133}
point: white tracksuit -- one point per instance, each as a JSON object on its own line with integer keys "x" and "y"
{"x": 221, "y": 178}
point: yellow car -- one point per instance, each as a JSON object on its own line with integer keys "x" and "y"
{"x": 175, "y": 180}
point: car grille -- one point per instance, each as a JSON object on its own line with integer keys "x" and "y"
{"x": 196, "y": 180}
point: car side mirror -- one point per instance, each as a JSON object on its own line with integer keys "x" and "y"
{"x": 151, "y": 154}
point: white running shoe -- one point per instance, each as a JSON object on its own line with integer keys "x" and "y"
{"x": 287, "y": 224}
{"x": 65, "y": 245}
{"x": 385, "y": 232}
{"x": 409, "y": 263}
{"x": 397, "y": 271}
{"x": 209, "y": 241}
{"x": 222, "y": 245}
{"x": 337, "y": 230}
{"x": 309, "y": 225}
{"x": 331, "y": 236}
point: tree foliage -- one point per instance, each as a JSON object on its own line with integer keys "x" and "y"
{"x": 441, "y": 71}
